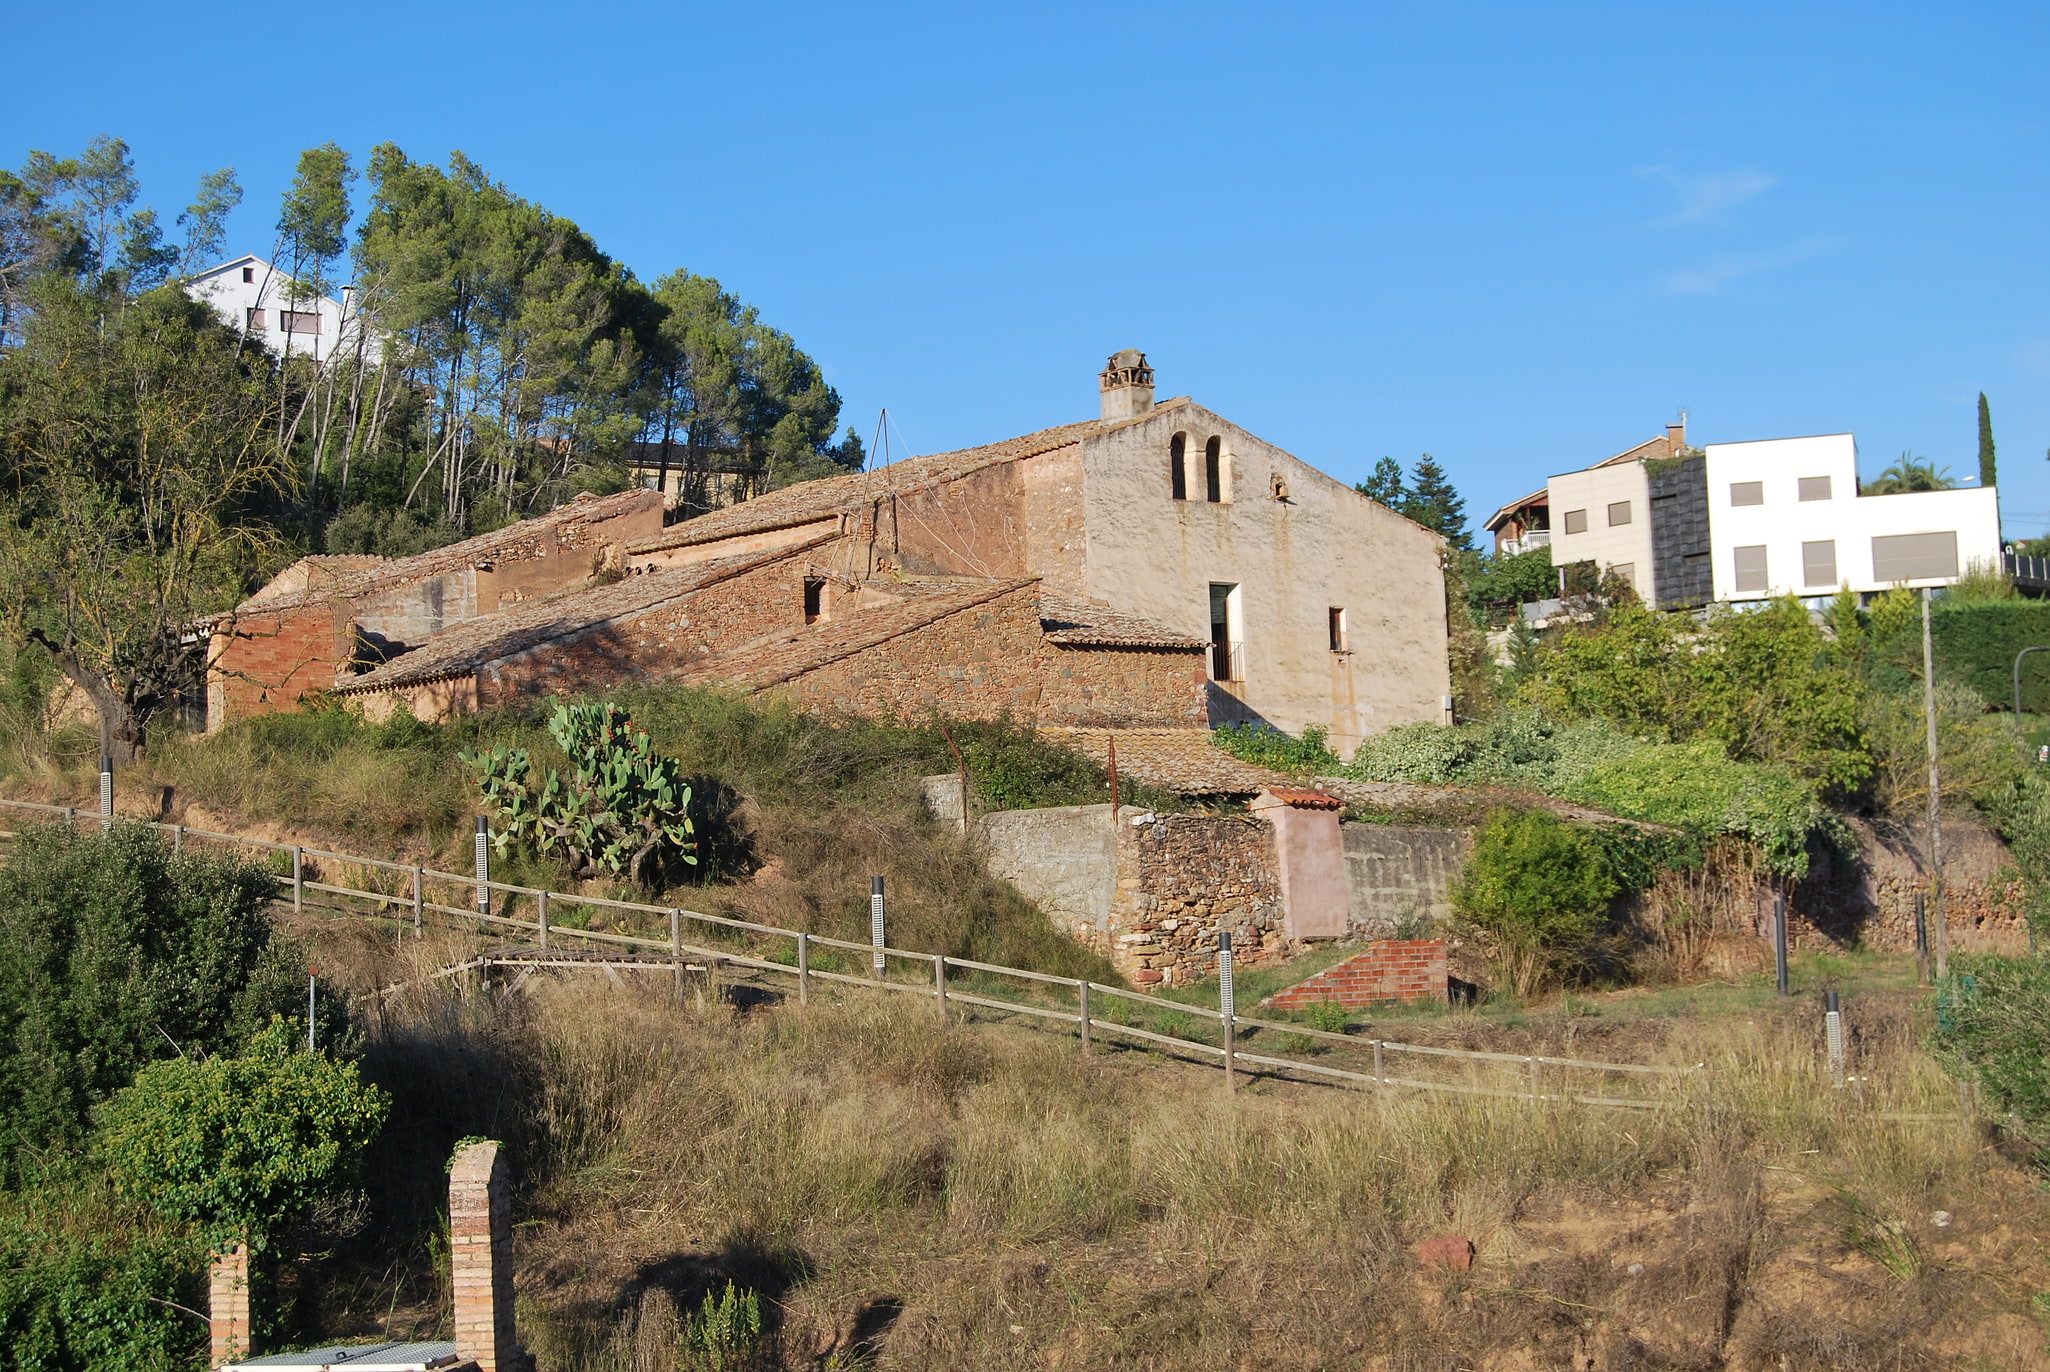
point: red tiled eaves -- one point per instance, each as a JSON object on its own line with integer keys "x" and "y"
{"x": 1308, "y": 800}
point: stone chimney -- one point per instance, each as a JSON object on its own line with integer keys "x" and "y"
{"x": 480, "y": 1259}
{"x": 1127, "y": 386}
{"x": 227, "y": 1306}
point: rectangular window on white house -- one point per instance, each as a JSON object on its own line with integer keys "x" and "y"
{"x": 1576, "y": 521}
{"x": 255, "y": 320}
{"x": 1619, "y": 513}
{"x": 1815, "y": 488}
{"x": 1625, "y": 572}
{"x": 1818, "y": 562}
{"x": 298, "y": 321}
{"x": 1750, "y": 568}
{"x": 1914, "y": 557}
{"x": 1747, "y": 492}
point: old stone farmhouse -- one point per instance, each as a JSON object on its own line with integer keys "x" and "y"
{"x": 1156, "y": 567}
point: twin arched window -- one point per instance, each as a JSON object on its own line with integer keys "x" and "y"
{"x": 1213, "y": 468}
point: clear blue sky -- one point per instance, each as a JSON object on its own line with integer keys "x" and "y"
{"x": 1517, "y": 236}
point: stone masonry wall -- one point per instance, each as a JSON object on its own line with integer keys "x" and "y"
{"x": 1115, "y": 688}
{"x": 1181, "y": 879}
{"x": 1387, "y": 970}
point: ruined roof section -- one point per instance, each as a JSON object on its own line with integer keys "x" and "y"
{"x": 471, "y": 644}
{"x": 1183, "y": 760}
{"x": 484, "y": 548}
{"x": 798, "y": 651}
{"x": 1308, "y": 800}
{"x": 1076, "y": 622}
{"x": 1465, "y": 805}
{"x": 318, "y": 572}
{"x": 810, "y": 500}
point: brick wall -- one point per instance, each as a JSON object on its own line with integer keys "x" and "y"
{"x": 481, "y": 1258}
{"x": 1181, "y": 879}
{"x": 268, "y": 661}
{"x": 1389, "y": 970}
{"x": 228, "y": 1326}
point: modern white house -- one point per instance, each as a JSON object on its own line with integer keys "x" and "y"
{"x": 260, "y": 298}
{"x": 1785, "y": 518}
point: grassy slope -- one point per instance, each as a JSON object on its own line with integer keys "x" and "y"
{"x": 981, "y": 1197}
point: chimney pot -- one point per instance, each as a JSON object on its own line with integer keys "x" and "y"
{"x": 1127, "y": 385}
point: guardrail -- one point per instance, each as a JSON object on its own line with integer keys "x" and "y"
{"x": 1092, "y": 1008}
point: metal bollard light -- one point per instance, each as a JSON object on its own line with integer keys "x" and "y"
{"x": 106, "y": 792}
{"x": 1833, "y": 1034}
{"x": 483, "y": 865}
{"x": 1227, "y": 1005}
{"x": 875, "y": 923}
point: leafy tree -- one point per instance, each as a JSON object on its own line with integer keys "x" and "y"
{"x": 242, "y": 1146}
{"x": 625, "y": 809}
{"x": 1539, "y": 888}
{"x": 136, "y": 435}
{"x": 314, "y": 220}
{"x": 73, "y": 1301}
{"x": 1988, "y": 473}
{"x": 1432, "y": 502}
{"x": 1385, "y": 485}
{"x": 205, "y": 220}
{"x": 114, "y": 951}
{"x": 1497, "y": 585}
{"x": 1910, "y": 473}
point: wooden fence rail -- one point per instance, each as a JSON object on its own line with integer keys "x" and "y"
{"x": 931, "y": 975}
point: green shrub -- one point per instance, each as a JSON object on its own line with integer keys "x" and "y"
{"x": 726, "y": 1333}
{"x": 1263, "y": 745}
{"x": 1695, "y": 787}
{"x": 240, "y": 1146}
{"x": 1994, "y": 1028}
{"x": 72, "y": 1302}
{"x": 1540, "y": 889}
{"x": 114, "y": 951}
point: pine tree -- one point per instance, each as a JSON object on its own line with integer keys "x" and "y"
{"x": 1385, "y": 485}
{"x": 1434, "y": 503}
{"x": 1987, "y": 474}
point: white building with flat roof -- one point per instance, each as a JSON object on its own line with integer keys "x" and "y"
{"x": 260, "y": 298}
{"x": 1785, "y": 518}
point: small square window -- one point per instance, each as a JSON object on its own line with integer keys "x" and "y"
{"x": 1747, "y": 492}
{"x": 1576, "y": 521}
{"x": 814, "y": 599}
{"x": 1625, "y": 572}
{"x": 1619, "y": 513}
{"x": 248, "y": 275}
{"x": 1814, "y": 488}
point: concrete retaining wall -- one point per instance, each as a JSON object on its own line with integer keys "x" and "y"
{"x": 1396, "y": 875}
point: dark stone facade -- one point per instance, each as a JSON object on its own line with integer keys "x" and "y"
{"x": 1679, "y": 532}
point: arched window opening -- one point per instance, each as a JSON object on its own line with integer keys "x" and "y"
{"x": 1178, "y": 465}
{"x": 1213, "y": 471}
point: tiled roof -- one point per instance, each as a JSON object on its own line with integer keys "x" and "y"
{"x": 1183, "y": 760}
{"x": 1091, "y": 623}
{"x": 804, "y": 650}
{"x": 1308, "y": 800}
{"x": 467, "y": 553}
{"x": 810, "y": 500}
{"x": 1459, "y": 802}
{"x": 488, "y": 638}
{"x": 316, "y": 572}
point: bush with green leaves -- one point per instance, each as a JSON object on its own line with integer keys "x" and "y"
{"x": 1696, "y": 788}
{"x": 1540, "y": 889}
{"x": 623, "y": 811}
{"x": 116, "y": 951}
{"x": 725, "y": 1335}
{"x": 1519, "y": 748}
{"x": 78, "y": 1302}
{"x": 239, "y": 1147}
{"x": 1263, "y": 745}
{"x": 1993, "y": 1027}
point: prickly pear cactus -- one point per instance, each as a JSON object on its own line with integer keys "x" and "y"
{"x": 624, "y": 810}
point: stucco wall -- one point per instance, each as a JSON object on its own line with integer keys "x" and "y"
{"x": 1609, "y": 546}
{"x": 1396, "y": 873}
{"x": 1294, "y": 558}
{"x": 1062, "y": 859}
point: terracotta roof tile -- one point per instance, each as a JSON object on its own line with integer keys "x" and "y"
{"x": 1308, "y": 800}
{"x": 1183, "y": 760}
{"x": 467, "y": 553}
{"x": 1081, "y": 622}
{"x": 471, "y": 644}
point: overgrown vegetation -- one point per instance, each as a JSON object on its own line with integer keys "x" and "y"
{"x": 1993, "y": 1027}
{"x": 1540, "y": 888}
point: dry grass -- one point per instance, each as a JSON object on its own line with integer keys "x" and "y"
{"x": 924, "y": 1195}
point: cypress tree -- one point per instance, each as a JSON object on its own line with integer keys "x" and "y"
{"x": 1986, "y": 472}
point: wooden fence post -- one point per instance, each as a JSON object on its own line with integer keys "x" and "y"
{"x": 676, "y": 951}
{"x": 177, "y": 838}
{"x": 419, "y": 899}
{"x": 803, "y": 968}
{"x": 298, "y": 880}
{"x": 1082, "y": 994}
{"x": 1378, "y": 1074}
{"x": 541, "y": 919}
{"x": 939, "y": 981}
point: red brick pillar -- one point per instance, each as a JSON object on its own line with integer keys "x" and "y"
{"x": 480, "y": 1258}
{"x": 228, "y": 1305}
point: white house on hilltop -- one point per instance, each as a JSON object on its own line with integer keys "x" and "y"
{"x": 1785, "y": 518}
{"x": 256, "y": 296}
